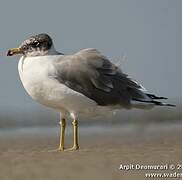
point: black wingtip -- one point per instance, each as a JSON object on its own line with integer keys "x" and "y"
{"x": 162, "y": 97}
{"x": 156, "y": 97}
{"x": 163, "y": 104}
{"x": 171, "y": 105}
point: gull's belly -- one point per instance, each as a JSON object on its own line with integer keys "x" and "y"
{"x": 49, "y": 92}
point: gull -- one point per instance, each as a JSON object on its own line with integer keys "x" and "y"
{"x": 85, "y": 83}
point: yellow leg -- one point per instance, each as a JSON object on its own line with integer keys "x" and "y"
{"x": 62, "y": 134}
{"x": 75, "y": 135}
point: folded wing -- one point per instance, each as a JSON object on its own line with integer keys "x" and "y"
{"x": 92, "y": 74}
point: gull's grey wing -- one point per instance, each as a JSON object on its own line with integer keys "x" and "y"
{"x": 92, "y": 74}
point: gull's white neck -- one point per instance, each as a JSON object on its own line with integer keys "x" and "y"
{"x": 38, "y": 60}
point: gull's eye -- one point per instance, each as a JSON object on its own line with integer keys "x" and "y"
{"x": 24, "y": 47}
{"x": 35, "y": 44}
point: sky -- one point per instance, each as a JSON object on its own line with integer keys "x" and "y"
{"x": 147, "y": 32}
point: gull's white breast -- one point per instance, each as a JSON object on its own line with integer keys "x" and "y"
{"x": 48, "y": 91}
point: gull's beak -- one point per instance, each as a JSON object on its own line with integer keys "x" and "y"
{"x": 14, "y": 51}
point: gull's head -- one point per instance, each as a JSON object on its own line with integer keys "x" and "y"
{"x": 38, "y": 45}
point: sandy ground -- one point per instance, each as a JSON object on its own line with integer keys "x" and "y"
{"x": 26, "y": 154}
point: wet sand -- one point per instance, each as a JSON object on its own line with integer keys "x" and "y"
{"x": 27, "y": 153}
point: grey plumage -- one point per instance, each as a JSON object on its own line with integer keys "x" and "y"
{"x": 92, "y": 74}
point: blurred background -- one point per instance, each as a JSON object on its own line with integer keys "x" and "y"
{"x": 146, "y": 32}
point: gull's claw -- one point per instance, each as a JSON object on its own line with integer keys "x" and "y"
{"x": 74, "y": 148}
